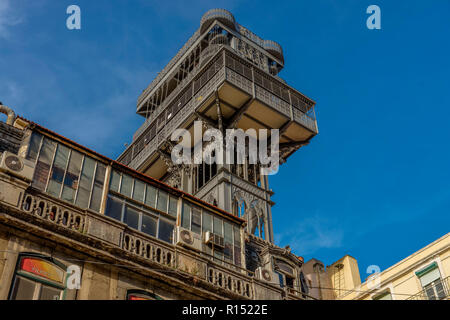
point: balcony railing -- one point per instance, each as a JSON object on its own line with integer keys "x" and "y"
{"x": 436, "y": 290}
{"x": 267, "y": 89}
{"x": 169, "y": 66}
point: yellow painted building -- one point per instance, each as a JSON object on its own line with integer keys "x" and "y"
{"x": 424, "y": 275}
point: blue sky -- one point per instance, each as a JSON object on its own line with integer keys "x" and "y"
{"x": 375, "y": 182}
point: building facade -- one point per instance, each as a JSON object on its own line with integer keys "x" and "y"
{"x": 75, "y": 224}
{"x": 226, "y": 77}
{"x": 424, "y": 275}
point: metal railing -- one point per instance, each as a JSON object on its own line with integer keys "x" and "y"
{"x": 436, "y": 290}
{"x": 168, "y": 67}
{"x": 267, "y": 88}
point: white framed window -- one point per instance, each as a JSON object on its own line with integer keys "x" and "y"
{"x": 431, "y": 282}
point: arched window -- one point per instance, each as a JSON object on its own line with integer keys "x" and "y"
{"x": 262, "y": 233}
{"x": 242, "y": 208}
{"x": 235, "y": 207}
{"x": 142, "y": 295}
{"x": 38, "y": 277}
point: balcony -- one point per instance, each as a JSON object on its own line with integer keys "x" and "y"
{"x": 236, "y": 81}
{"x": 436, "y": 290}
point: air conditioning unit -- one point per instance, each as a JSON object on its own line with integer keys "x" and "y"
{"x": 266, "y": 275}
{"x": 214, "y": 239}
{"x": 189, "y": 239}
{"x": 17, "y": 166}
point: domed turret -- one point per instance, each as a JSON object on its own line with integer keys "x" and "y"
{"x": 274, "y": 48}
{"x": 221, "y": 15}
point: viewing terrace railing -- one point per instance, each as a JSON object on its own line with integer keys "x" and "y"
{"x": 204, "y": 57}
{"x": 184, "y": 100}
{"x": 169, "y": 66}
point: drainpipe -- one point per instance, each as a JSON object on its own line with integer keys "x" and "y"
{"x": 8, "y": 111}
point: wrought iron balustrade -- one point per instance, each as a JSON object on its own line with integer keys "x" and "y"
{"x": 201, "y": 83}
{"x": 436, "y": 290}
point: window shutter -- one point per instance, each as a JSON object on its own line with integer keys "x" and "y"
{"x": 428, "y": 274}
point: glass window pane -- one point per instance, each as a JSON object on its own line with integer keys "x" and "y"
{"x": 218, "y": 254}
{"x": 115, "y": 180}
{"x": 68, "y": 194}
{"x": 41, "y": 175}
{"x": 74, "y": 168}
{"x": 431, "y": 294}
{"x": 228, "y": 239}
{"x": 150, "y": 197}
{"x": 196, "y": 220}
{"x": 72, "y": 176}
{"x": 126, "y": 185}
{"x": 218, "y": 226}
{"x": 47, "y": 151}
{"x": 186, "y": 216}
{"x": 162, "y": 201}
{"x": 173, "y": 203}
{"x": 430, "y": 276}
{"x": 23, "y": 289}
{"x": 43, "y": 164}
{"x": 114, "y": 208}
{"x": 131, "y": 217}
{"x": 49, "y": 293}
{"x": 57, "y": 175}
{"x": 139, "y": 189}
{"x": 58, "y": 169}
{"x": 165, "y": 231}
{"x": 35, "y": 143}
{"x": 228, "y": 252}
{"x": 207, "y": 222}
{"x": 98, "y": 187}
{"x": 228, "y": 232}
{"x": 237, "y": 256}
{"x": 84, "y": 189}
{"x": 440, "y": 289}
{"x": 237, "y": 236}
{"x": 61, "y": 156}
{"x": 54, "y": 187}
{"x": 149, "y": 225}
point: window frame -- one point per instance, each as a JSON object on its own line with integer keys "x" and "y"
{"x": 71, "y": 150}
{"x": 235, "y": 256}
{"x": 144, "y": 201}
{"x": 426, "y": 268}
{"x": 142, "y": 210}
{"x": 39, "y": 282}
